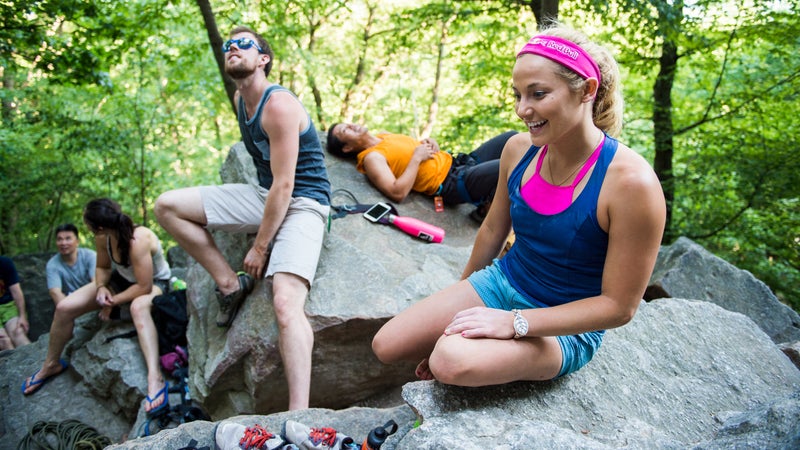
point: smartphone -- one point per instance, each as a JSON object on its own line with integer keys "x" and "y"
{"x": 377, "y": 211}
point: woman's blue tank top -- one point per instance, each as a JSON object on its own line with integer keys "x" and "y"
{"x": 558, "y": 258}
{"x": 311, "y": 176}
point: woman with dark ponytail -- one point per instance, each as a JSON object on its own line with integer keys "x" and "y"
{"x": 131, "y": 269}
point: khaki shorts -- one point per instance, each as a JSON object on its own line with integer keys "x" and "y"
{"x": 238, "y": 208}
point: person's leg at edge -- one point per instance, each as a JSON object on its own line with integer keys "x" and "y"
{"x": 67, "y": 310}
{"x": 148, "y": 341}
{"x": 296, "y": 338}
{"x": 412, "y": 334}
{"x": 5, "y": 341}
{"x": 181, "y": 213}
{"x": 493, "y": 148}
{"x": 17, "y": 334}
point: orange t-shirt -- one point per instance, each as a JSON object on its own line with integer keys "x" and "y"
{"x": 398, "y": 150}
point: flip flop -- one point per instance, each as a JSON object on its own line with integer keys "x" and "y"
{"x": 41, "y": 382}
{"x": 165, "y": 404}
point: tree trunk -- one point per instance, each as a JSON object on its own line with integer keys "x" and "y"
{"x": 433, "y": 108}
{"x": 215, "y": 39}
{"x": 544, "y": 11}
{"x": 663, "y": 127}
{"x": 345, "y": 112}
{"x": 313, "y": 26}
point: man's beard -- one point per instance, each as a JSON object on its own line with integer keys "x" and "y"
{"x": 240, "y": 71}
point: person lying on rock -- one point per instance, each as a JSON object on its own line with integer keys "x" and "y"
{"x": 588, "y": 214}
{"x": 397, "y": 164}
{"x": 288, "y": 209}
{"x": 130, "y": 268}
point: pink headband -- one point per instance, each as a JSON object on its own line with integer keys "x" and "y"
{"x": 563, "y": 52}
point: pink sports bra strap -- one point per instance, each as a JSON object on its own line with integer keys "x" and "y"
{"x": 589, "y": 163}
{"x": 548, "y": 199}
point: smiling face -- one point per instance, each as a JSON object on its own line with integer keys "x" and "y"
{"x": 67, "y": 243}
{"x": 241, "y": 63}
{"x": 544, "y": 100}
{"x": 349, "y": 134}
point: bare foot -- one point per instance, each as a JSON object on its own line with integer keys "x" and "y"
{"x": 423, "y": 372}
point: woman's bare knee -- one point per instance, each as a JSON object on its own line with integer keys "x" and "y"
{"x": 140, "y": 307}
{"x": 383, "y": 348}
{"x": 448, "y": 365}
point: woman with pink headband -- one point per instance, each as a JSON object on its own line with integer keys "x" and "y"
{"x": 588, "y": 215}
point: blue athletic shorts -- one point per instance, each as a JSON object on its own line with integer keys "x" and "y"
{"x": 496, "y": 292}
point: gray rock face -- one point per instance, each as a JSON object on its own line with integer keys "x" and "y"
{"x": 687, "y": 270}
{"x": 367, "y": 273}
{"x": 668, "y": 379}
{"x": 33, "y": 281}
{"x": 683, "y": 374}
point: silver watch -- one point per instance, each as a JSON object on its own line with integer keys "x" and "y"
{"x": 520, "y": 324}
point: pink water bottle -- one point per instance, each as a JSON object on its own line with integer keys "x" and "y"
{"x": 417, "y": 228}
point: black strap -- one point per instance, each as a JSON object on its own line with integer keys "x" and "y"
{"x": 356, "y": 207}
{"x": 126, "y": 334}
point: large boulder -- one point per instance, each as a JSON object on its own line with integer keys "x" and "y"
{"x": 687, "y": 270}
{"x": 682, "y": 374}
{"x": 668, "y": 379}
{"x": 367, "y": 272}
{"x": 33, "y": 281}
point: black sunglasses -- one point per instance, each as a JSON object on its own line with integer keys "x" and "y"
{"x": 242, "y": 43}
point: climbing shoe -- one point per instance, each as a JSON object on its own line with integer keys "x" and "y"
{"x": 229, "y": 304}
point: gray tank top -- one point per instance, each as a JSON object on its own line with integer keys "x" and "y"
{"x": 310, "y": 177}
{"x": 161, "y": 270}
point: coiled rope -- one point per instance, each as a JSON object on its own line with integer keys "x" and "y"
{"x": 67, "y": 435}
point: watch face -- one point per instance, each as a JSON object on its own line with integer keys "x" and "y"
{"x": 520, "y": 325}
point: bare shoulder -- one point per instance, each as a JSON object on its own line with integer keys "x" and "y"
{"x": 145, "y": 237}
{"x": 515, "y": 149}
{"x": 374, "y": 159}
{"x": 283, "y": 112}
{"x": 632, "y": 192}
{"x": 518, "y": 142}
{"x": 629, "y": 170}
{"x": 283, "y": 102}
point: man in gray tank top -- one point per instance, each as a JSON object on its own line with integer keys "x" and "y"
{"x": 287, "y": 210}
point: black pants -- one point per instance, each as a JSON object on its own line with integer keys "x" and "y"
{"x": 473, "y": 177}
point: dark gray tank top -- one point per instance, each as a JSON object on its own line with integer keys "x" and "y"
{"x": 311, "y": 176}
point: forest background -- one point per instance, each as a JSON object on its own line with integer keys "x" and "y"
{"x": 125, "y": 99}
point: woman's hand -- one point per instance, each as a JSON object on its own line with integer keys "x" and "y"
{"x": 425, "y": 151}
{"x": 432, "y": 143}
{"x": 104, "y": 297}
{"x": 482, "y": 322}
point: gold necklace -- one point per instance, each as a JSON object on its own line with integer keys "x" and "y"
{"x": 574, "y": 171}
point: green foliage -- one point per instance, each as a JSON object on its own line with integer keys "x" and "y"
{"x": 123, "y": 99}
{"x": 124, "y": 132}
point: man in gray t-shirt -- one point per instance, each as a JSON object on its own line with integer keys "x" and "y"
{"x": 72, "y": 267}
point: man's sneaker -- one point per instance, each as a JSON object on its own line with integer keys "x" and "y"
{"x": 234, "y": 436}
{"x": 229, "y": 304}
{"x": 307, "y": 438}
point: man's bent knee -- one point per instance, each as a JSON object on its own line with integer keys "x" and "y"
{"x": 165, "y": 204}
